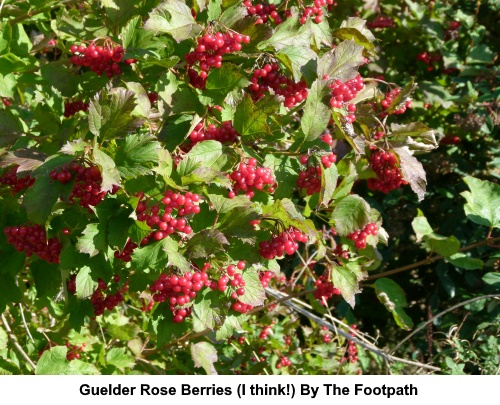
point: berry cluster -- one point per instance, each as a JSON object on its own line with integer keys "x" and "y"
{"x": 100, "y": 59}
{"x": 249, "y": 177}
{"x": 87, "y": 186}
{"x": 265, "y": 278}
{"x": 32, "y": 239}
{"x": 269, "y": 78}
{"x": 380, "y": 21}
{"x": 429, "y": 59}
{"x": 310, "y": 179}
{"x": 284, "y": 362}
{"x": 74, "y": 351}
{"x": 9, "y": 178}
{"x": 352, "y": 350}
{"x": 6, "y": 101}
{"x": 126, "y": 253}
{"x": 359, "y": 236}
{"x": 264, "y": 12}
{"x": 209, "y": 53}
{"x": 324, "y": 289}
{"x": 110, "y": 301}
{"x": 72, "y": 107}
{"x": 179, "y": 291}
{"x": 224, "y": 134}
{"x": 265, "y": 332}
{"x": 389, "y": 98}
{"x": 285, "y": 242}
{"x": 385, "y": 165}
{"x": 169, "y": 219}
{"x": 316, "y": 10}
{"x": 452, "y": 31}
{"x": 146, "y": 306}
{"x": 342, "y": 93}
{"x": 378, "y": 135}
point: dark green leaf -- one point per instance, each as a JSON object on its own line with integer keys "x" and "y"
{"x": 289, "y": 33}
{"x": 342, "y": 62}
{"x": 351, "y": 213}
{"x": 85, "y": 285}
{"x": 483, "y": 202}
{"x": 317, "y": 110}
{"x": 393, "y": 297}
{"x": 206, "y": 243}
{"x": 137, "y": 155}
{"x": 204, "y": 355}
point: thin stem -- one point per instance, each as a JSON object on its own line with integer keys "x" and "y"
{"x": 431, "y": 259}
{"x": 13, "y": 338}
{"x": 483, "y": 297}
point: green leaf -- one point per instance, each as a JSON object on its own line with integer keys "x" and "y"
{"x": 120, "y": 327}
{"x": 221, "y": 82}
{"x": 110, "y": 114}
{"x": 208, "y": 307}
{"x": 342, "y": 62}
{"x": 285, "y": 211}
{"x": 93, "y": 239}
{"x": 85, "y": 285}
{"x": 137, "y": 155}
{"x": 10, "y": 128}
{"x": 412, "y": 171}
{"x": 175, "y": 258}
{"x": 329, "y": 177}
{"x": 289, "y": 33}
{"x": 41, "y": 197}
{"x": 350, "y": 214}
{"x": 492, "y": 279}
{"x": 143, "y": 106}
{"x": 178, "y": 98}
{"x": 153, "y": 256}
{"x": 214, "y": 10}
{"x": 355, "y": 28}
{"x": 47, "y": 278}
{"x": 205, "y": 243}
{"x": 204, "y": 355}
{"x": 173, "y": 17}
{"x": 231, "y": 323}
{"x": 9, "y": 291}
{"x": 393, "y": 297}
{"x": 250, "y": 120}
{"x": 255, "y": 294}
{"x": 445, "y": 246}
{"x": 138, "y": 231}
{"x": 119, "y": 11}
{"x": 346, "y": 278}
{"x": 109, "y": 173}
{"x": 301, "y": 61}
{"x": 54, "y": 362}
{"x": 119, "y": 358}
{"x": 233, "y": 15}
{"x": 402, "y": 97}
{"x": 207, "y": 152}
{"x": 7, "y": 85}
{"x": 465, "y": 262}
{"x": 483, "y": 202}
{"x": 316, "y": 111}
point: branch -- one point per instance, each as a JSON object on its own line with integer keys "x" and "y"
{"x": 346, "y": 335}
{"x": 431, "y": 259}
{"x": 483, "y": 297}
{"x": 13, "y": 338}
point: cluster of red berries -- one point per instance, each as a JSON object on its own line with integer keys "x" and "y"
{"x": 264, "y": 12}
{"x": 327, "y": 138}
{"x": 209, "y": 53}
{"x": 6, "y": 101}
{"x": 265, "y": 332}
{"x": 153, "y": 97}
{"x": 126, "y": 253}
{"x": 450, "y": 140}
{"x": 146, "y": 305}
{"x": 324, "y": 289}
{"x": 169, "y": 219}
{"x": 283, "y": 362}
{"x": 381, "y": 21}
{"x": 9, "y": 178}
{"x": 352, "y": 350}
{"x": 269, "y": 78}
{"x": 72, "y": 107}
{"x": 285, "y": 242}
{"x": 179, "y": 291}
{"x": 87, "y": 186}
{"x": 359, "y": 236}
{"x": 342, "y": 93}
{"x": 249, "y": 177}
{"x": 100, "y": 59}
{"x": 74, "y": 351}
{"x": 110, "y": 301}
{"x": 385, "y": 165}
{"x": 316, "y": 10}
{"x": 429, "y": 59}
{"x": 389, "y": 98}
{"x": 452, "y": 31}
{"x": 265, "y": 278}
{"x": 224, "y": 134}
{"x": 310, "y": 179}
{"x": 32, "y": 239}
{"x": 378, "y": 135}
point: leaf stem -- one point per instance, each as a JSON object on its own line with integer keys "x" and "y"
{"x": 14, "y": 341}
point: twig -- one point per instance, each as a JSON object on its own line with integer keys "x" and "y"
{"x": 431, "y": 259}
{"x": 24, "y": 323}
{"x": 372, "y": 348}
{"x": 13, "y": 338}
{"x": 483, "y": 297}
